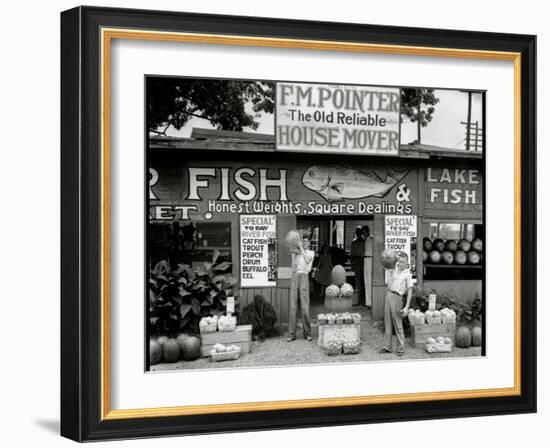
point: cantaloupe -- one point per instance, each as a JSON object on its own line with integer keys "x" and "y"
{"x": 346, "y": 290}
{"x": 332, "y": 291}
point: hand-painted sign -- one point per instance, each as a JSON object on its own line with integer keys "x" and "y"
{"x": 341, "y": 182}
{"x": 337, "y": 118}
{"x": 453, "y": 188}
{"x": 400, "y": 236}
{"x": 258, "y": 251}
{"x": 204, "y": 190}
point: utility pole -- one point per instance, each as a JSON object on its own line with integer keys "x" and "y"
{"x": 468, "y": 121}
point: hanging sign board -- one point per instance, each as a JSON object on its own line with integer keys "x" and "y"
{"x": 258, "y": 250}
{"x": 400, "y": 236}
{"x": 335, "y": 118}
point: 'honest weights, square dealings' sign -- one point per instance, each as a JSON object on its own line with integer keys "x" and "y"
{"x": 331, "y": 118}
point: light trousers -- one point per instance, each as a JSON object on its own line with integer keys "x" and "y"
{"x": 299, "y": 291}
{"x": 393, "y": 320}
{"x": 367, "y": 278}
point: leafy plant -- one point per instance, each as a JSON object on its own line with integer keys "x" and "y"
{"x": 470, "y": 312}
{"x": 179, "y": 298}
{"x": 261, "y": 315}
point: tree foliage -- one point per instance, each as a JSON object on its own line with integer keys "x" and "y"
{"x": 174, "y": 101}
{"x": 418, "y": 106}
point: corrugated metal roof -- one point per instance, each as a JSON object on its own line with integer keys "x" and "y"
{"x": 211, "y": 139}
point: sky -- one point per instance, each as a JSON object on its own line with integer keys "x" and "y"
{"x": 444, "y": 130}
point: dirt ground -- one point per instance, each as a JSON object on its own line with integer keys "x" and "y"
{"x": 277, "y": 352}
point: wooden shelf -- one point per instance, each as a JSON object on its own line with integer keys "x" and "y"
{"x": 455, "y": 266}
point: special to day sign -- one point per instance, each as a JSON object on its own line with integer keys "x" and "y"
{"x": 400, "y": 236}
{"x": 337, "y": 118}
{"x": 258, "y": 250}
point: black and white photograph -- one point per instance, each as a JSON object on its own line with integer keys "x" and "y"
{"x": 296, "y": 223}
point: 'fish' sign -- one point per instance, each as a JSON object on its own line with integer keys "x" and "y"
{"x": 337, "y": 183}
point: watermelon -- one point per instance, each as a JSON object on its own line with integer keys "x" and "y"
{"x": 427, "y": 244}
{"x": 447, "y": 257}
{"x": 155, "y": 352}
{"x": 435, "y": 256}
{"x": 338, "y": 275}
{"x": 181, "y": 339}
{"x": 477, "y": 245}
{"x": 438, "y": 245}
{"x": 451, "y": 245}
{"x": 191, "y": 348}
{"x": 463, "y": 337}
{"x": 464, "y": 245}
{"x": 162, "y": 339}
{"x": 460, "y": 257}
{"x": 171, "y": 350}
{"x": 473, "y": 257}
{"x": 388, "y": 258}
{"x": 476, "y": 336}
{"x": 293, "y": 241}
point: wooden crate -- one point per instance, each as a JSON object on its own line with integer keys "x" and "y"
{"x": 241, "y": 336}
{"x": 338, "y": 304}
{"x": 327, "y": 331}
{"x": 421, "y": 333}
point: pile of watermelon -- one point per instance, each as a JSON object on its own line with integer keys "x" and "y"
{"x": 171, "y": 350}
{"x": 452, "y": 252}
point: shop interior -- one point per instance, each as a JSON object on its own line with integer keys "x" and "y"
{"x": 331, "y": 236}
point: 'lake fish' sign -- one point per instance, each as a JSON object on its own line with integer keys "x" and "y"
{"x": 334, "y": 118}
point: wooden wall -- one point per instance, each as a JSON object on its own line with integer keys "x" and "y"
{"x": 462, "y": 290}
{"x": 277, "y": 297}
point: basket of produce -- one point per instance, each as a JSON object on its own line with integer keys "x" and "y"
{"x": 339, "y": 319}
{"x": 439, "y": 345}
{"x": 227, "y": 323}
{"x": 448, "y": 316}
{"x": 331, "y": 319}
{"x": 322, "y": 319}
{"x": 333, "y": 348}
{"x": 351, "y": 347}
{"x": 356, "y": 318}
{"x": 348, "y": 319}
{"x": 433, "y": 317}
{"x": 221, "y": 352}
{"x": 208, "y": 324}
{"x": 416, "y": 317}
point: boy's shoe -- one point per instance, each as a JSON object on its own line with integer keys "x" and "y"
{"x": 384, "y": 350}
{"x": 400, "y": 354}
{"x": 309, "y": 338}
{"x": 290, "y": 339}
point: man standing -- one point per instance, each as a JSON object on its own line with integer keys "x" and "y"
{"x": 367, "y": 265}
{"x": 399, "y": 282}
{"x": 357, "y": 263}
{"x": 299, "y": 289}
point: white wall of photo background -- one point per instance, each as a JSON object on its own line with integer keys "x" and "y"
{"x": 30, "y": 232}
